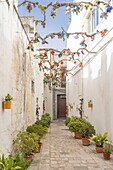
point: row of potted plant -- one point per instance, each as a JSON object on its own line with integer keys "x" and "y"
{"x": 85, "y": 131}
{"x": 103, "y": 144}
{"x": 26, "y": 144}
{"x": 81, "y": 128}
{"x": 28, "y": 141}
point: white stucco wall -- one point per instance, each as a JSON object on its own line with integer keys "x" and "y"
{"x": 31, "y": 29}
{"x": 97, "y": 81}
{"x": 16, "y": 73}
{"x": 74, "y": 93}
{"x": 39, "y": 89}
{"x": 48, "y": 97}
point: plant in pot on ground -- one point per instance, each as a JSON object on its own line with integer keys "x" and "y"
{"x": 45, "y": 120}
{"x": 38, "y": 130}
{"x": 99, "y": 140}
{"x": 8, "y": 163}
{"x": 13, "y": 162}
{"x": 67, "y": 120}
{"x": 25, "y": 143}
{"x": 75, "y": 126}
{"x": 87, "y": 130}
{"x": 19, "y": 160}
{"x": 107, "y": 148}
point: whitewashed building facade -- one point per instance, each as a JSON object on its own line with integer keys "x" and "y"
{"x": 95, "y": 81}
{"x": 18, "y": 73}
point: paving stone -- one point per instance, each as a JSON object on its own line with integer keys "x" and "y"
{"x": 61, "y": 151}
{"x": 80, "y": 168}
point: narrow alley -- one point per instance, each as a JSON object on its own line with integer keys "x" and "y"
{"x": 56, "y": 73}
{"x": 61, "y": 151}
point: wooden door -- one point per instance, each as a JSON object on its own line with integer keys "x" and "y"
{"x": 61, "y": 106}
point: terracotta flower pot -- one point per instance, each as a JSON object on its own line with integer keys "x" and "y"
{"x": 85, "y": 141}
{"x": 27, "y": 158}
{"x": 90, "y": 105}
{"x": 99, "y": 149}
{"x": 106, "y": 155}
{"x": 40, "y": 145}
{"x": 6, "y": 104}
{"x": 77, "y": 135}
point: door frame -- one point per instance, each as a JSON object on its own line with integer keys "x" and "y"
{"x": 58, "y": 95}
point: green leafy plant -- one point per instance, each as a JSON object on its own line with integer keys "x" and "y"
{"x": 8, "y": 163}
{"x": 90, "y": 102}
{"x": 107, "y": 146}
{"x": 99, "y": 139}
{"x": 68, "y": 119}
{"x": 75, "y": 124}
{"x": 38, "y": 129}
{"x": 87, "y": 130}
{"x": 20, "y": 161}
{"x": 45, "y": 120}
{"x": 8, "y": 97}
{"x": 25, "y": 143}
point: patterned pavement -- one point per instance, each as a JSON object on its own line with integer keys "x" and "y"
{"x": 61, "y": 151}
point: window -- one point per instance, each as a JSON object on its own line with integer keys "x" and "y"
{"x": 94, "y": 19}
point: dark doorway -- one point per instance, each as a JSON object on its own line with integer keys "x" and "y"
{"x": 61, "y": 106}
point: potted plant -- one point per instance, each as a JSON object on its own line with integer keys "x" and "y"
{"x": 46, "y": 120}
{"x": 7, "y": 101}
{"x": 8, "y": 163}
{"x": 26, "y": 144}
{"x": 19, "y": 160}
{"x": 87, "y": 130}
{"x": 107, "y": 148}
{"x": 90, "y": 104}
{"x": 99, "y": 140}
{"x": 75, "y": 126}
{"x": 67, "y": 120}
{"x": 38, "y": 130}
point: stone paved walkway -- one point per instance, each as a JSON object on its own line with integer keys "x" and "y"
{"x": 61, "y": 151}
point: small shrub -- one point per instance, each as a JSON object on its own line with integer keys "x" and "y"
{"x": 38, "y": 129}
{"x": 99, "y": 139}
{"x": 19, "y": 161}
{"x": 24, "y": 143}
{"x": 75, "y": 126}
{"x": 8, "y": 163}
{"x": 68, "y": 119}
{"x": 87, "y": 130}
{"x": 45, "y": 120}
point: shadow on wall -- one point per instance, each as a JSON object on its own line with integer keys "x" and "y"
{"x": 100, "y": 91}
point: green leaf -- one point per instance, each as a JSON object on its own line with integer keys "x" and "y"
{"x": 17, "y": 167}
{"x": 24, "y": 4}
{"x": 36, "y": 22}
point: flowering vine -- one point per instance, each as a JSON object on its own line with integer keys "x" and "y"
{"x": 75, "y": 7}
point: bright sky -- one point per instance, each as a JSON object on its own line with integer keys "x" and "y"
{"x": 52, "y": 25}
